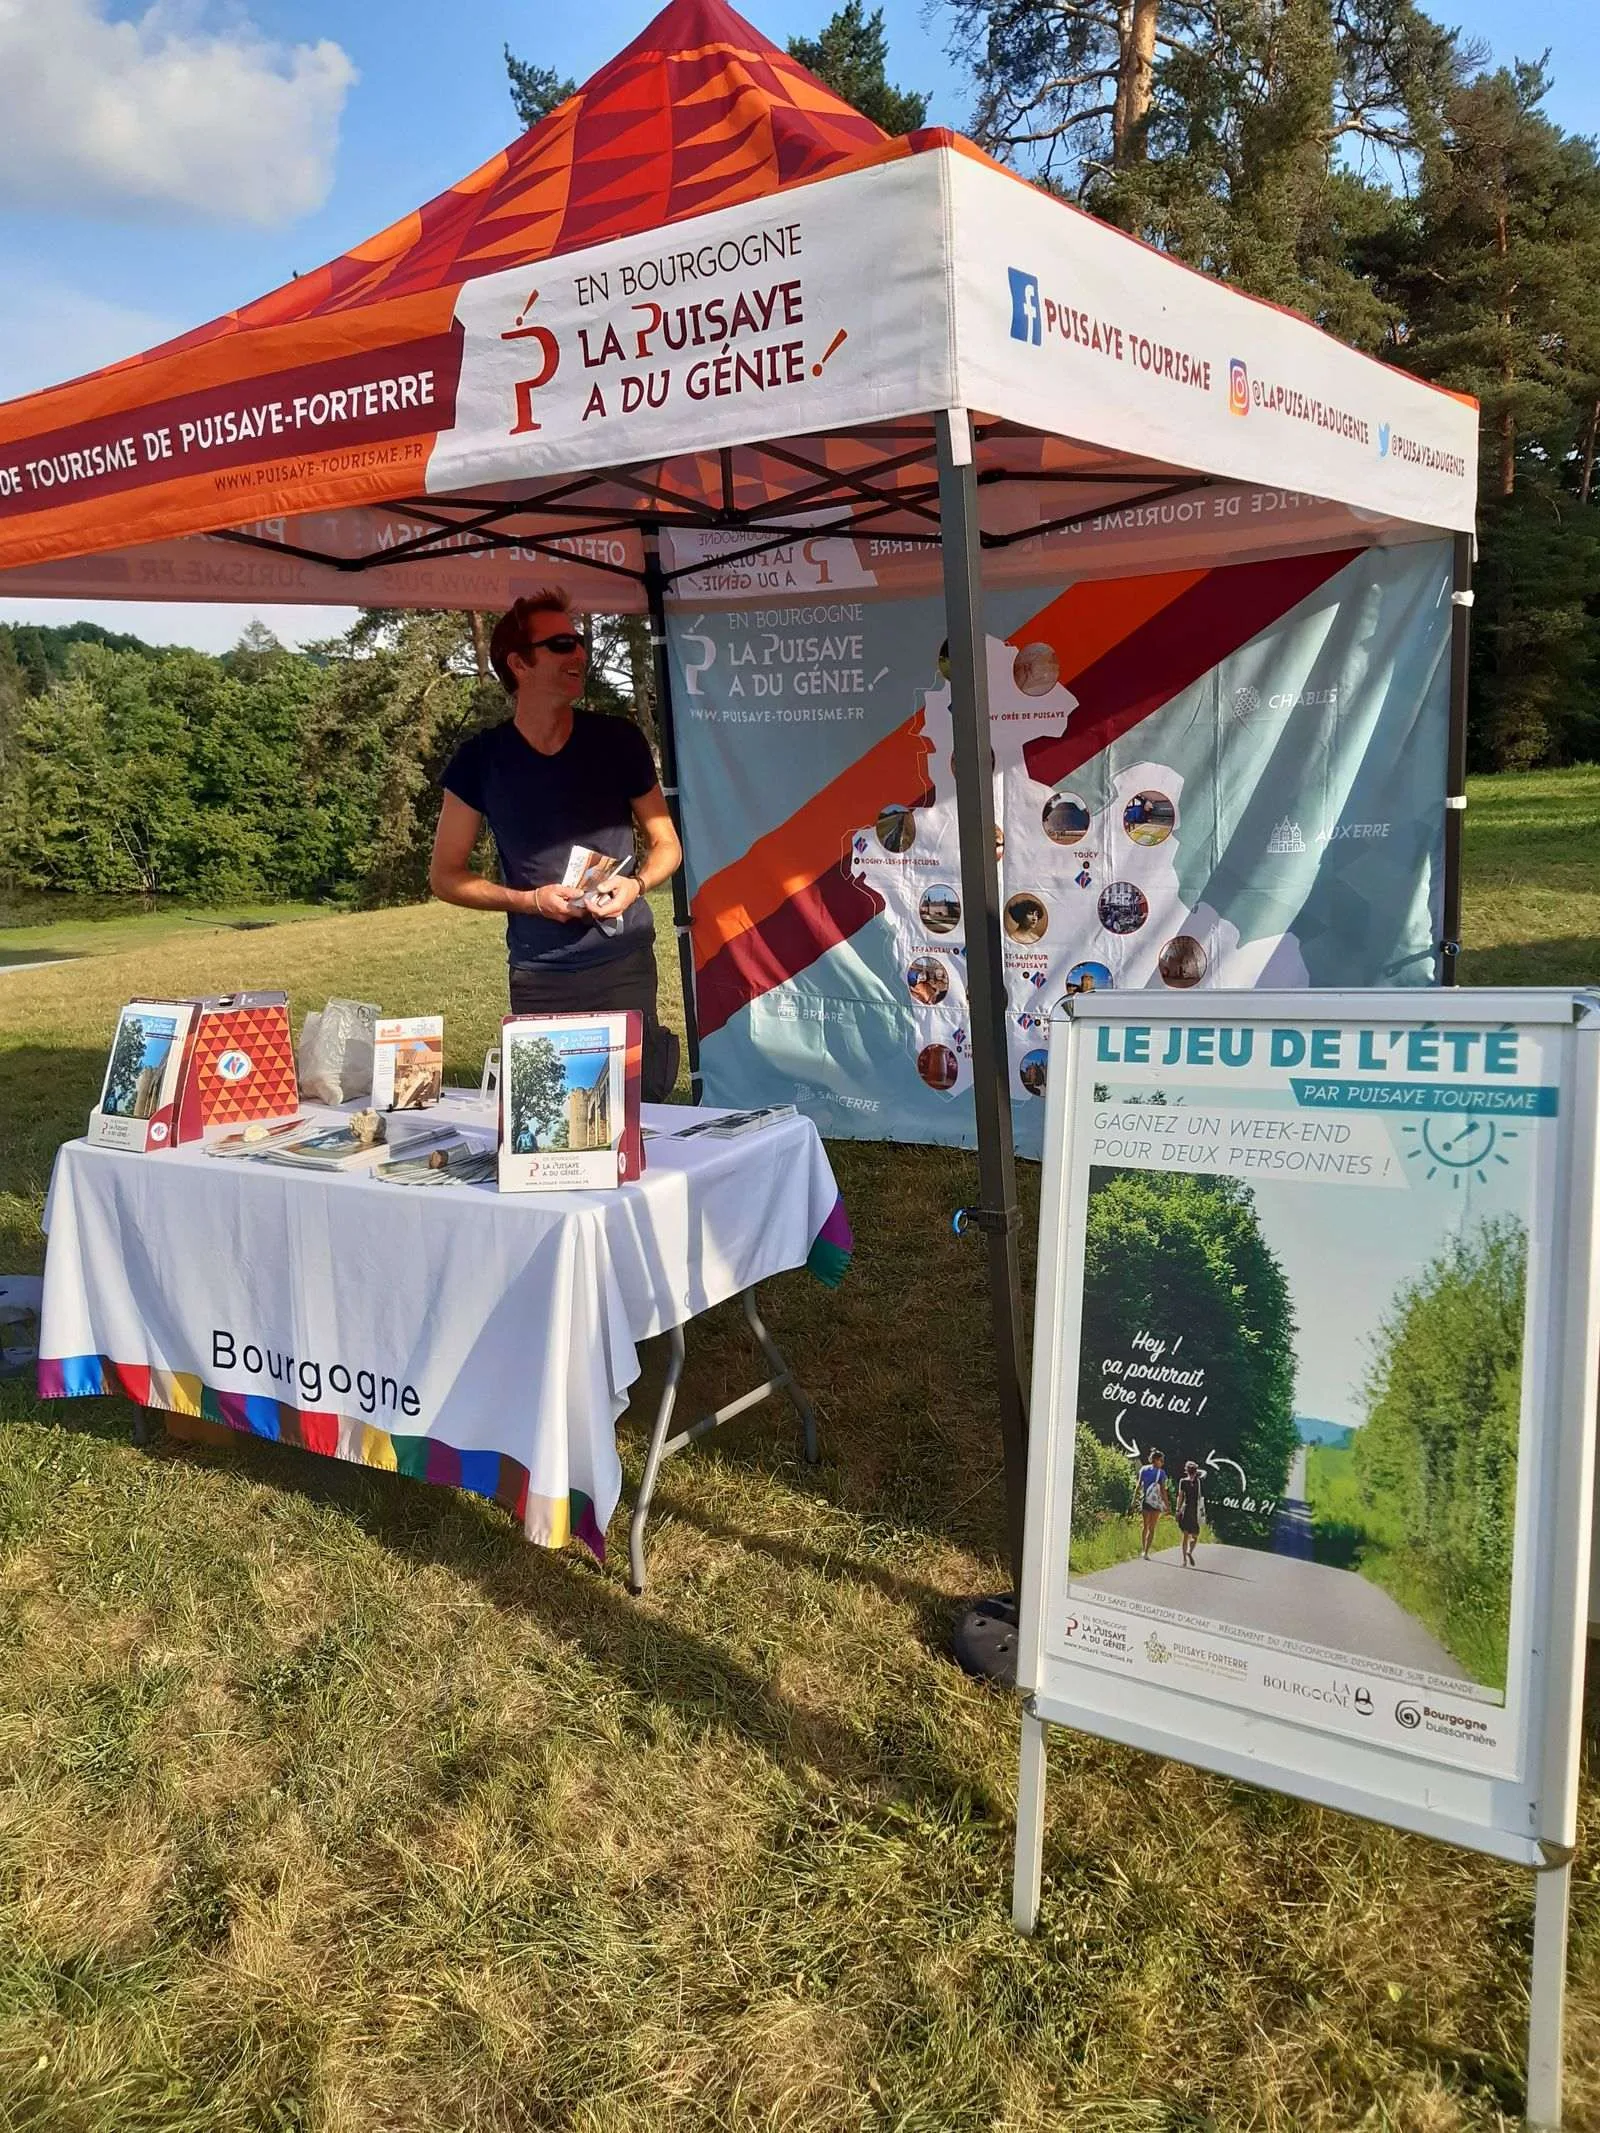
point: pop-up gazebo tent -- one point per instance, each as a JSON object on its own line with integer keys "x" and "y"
{"x": 706, "y": 344}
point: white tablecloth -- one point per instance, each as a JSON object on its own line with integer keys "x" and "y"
{"x": 457, "y": 1333}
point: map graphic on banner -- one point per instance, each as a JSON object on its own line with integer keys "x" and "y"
{"x": 1211, "y": 777}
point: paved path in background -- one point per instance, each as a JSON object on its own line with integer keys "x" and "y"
{"x": 1291, "y": 1528}
{"x": 49, "y": 962}
{"x": 1285, "y": 1595}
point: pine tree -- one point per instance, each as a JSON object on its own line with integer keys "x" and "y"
{"x": 536, "y": 91}
{"x": 1493, "y": 278}
{"x": 1247, "y": 138}
{"x": 851, "y": 56}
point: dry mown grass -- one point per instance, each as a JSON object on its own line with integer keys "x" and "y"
{"x": 327, "y": 1804}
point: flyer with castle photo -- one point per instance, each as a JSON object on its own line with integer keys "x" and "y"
{"x": 569, "y": 1102}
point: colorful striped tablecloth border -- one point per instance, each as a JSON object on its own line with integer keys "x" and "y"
{"x": 549, "y": 1521}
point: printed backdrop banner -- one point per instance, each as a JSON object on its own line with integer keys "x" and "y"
{"x": 1228, "y": 776}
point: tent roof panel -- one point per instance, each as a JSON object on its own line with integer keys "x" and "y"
{"x": 701, "y": 249}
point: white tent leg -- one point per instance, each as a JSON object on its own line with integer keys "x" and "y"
{"x": 1547, "y": 1998}
{"x": 1028, "y": 1874}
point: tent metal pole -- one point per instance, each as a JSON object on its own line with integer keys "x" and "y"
{"x": 655, "y": 600}
{"x": 986, "y": 995}
{"x": 1455, "y": 805}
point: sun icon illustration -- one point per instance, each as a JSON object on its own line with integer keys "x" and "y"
{"x": 1458, "y": 1147}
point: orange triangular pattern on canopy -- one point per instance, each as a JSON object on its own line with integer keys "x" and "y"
{"x": 700, "y": 112}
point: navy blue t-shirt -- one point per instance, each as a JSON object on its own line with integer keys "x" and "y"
{"x": 539, "y": 806}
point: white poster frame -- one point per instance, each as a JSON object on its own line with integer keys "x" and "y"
{"x": 1530, "y": 1819}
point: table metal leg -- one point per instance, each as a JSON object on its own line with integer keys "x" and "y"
{"x": 783, "y": 1377}
{"x": 663, "y": 1446}
{"x": 652, "y": 1464}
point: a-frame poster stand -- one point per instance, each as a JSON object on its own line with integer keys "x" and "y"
{"x": 1298, "y": 1243}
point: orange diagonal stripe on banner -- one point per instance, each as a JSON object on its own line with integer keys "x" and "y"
{"x": 1090, "y": 618}
{"x": 791, "y": 857}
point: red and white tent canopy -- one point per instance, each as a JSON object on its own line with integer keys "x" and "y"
{"x": 703, "y": 295}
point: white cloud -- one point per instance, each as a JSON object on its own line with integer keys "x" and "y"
{"x": 159, "y": 116}
{"x": 54, "y": 332}
{"x": 207, "y": 628}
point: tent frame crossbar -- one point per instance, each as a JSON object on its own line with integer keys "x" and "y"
{"x": 864, "y": 497}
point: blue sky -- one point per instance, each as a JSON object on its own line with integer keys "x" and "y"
{"x": 164, "y": 160}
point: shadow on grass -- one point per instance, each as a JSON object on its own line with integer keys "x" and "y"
{"x": 1574, "y": 960}
{"x": 642, "y": 1649}
{"x": 20, "y": 958}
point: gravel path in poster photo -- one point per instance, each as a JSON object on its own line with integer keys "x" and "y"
{"x": 1283, "y": 1592}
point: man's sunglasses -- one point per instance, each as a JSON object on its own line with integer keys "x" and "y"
{"x": 563, "y": 641}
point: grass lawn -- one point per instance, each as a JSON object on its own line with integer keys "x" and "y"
{"x": 327, "y": 1805}
{"x": 37, "y": 930}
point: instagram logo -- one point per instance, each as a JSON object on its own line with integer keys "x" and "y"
{"x": 1238, "y": 388}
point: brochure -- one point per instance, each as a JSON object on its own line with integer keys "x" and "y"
{"x": 138, "y": 1097}
{"x": 451, "y": 1162}
{"x": 258, "y": 1138}
{"x": 589, "y": 871}
{"x": 348, "y": 1145}
{"x": 731, "y": 1124}
{"x": 569, "y": 1102}
{"x": 407, "y": 1062}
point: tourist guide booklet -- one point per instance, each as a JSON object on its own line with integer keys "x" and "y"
{"x": 343, "y": 1144}
{"x": 569, "y": 1102}
{"x": 407, "y": 1062}
{"x": 138, "y": 1097}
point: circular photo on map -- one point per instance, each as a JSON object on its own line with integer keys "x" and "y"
{"x": 1150, "y": 818}
{"x": 1182, "y": 962}
{"x": 928, "y": 980}
{"x": 1065, "y": 818}
{"x": 1026, "y": 918}
{"x": 1123, "y": 907}
{"x": 1031, "y": 1072}
{"x": 938, "y": 1066}
{"x": 897, "y": 829}
{"x": 1036, "y": 669}
{"x": 940, "y": 909}
{"x": 1087, "y": 977}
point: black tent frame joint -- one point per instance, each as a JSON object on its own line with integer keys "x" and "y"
{"x": 1003, "y": 1221}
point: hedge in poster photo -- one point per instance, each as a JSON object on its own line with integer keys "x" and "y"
{"x": 1299, "y": 1396}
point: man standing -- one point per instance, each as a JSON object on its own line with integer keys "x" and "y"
{"x": 550, "y": 779}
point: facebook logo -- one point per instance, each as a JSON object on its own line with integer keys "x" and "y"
{"x": 1025, "y": 321}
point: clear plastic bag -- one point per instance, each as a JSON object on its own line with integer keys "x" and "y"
{"x": 335, "y": 1057}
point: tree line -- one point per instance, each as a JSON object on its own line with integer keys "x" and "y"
{"x": 264, "y": 774}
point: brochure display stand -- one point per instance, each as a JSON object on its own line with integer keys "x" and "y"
{"x": 1318, "y": 1325}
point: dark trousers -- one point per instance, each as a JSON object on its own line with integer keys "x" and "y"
{"x": 627, "y": 981}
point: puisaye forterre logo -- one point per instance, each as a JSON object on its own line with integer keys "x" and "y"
{"x": 1027, "y": 318}
{"x": 547, "y": 361}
